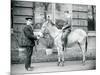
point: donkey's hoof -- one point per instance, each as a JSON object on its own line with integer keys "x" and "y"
{"x": 62, "y": 64}
{"x": 58, "y": 64}
{"x": 83, "y": 63}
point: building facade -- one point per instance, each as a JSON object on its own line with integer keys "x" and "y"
{"x": 81, "y": 16}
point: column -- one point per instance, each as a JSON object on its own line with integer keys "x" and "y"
{"x": 53, "y": 12}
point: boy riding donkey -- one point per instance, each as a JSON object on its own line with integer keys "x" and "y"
{"x": 66, "y": 30}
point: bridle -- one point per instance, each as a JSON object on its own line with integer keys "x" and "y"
{"x": 49, "y": 32}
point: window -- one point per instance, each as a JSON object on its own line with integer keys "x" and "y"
{"x": 11, "y": 15}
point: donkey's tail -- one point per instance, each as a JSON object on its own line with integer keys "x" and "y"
{"x": 86, "y": 43}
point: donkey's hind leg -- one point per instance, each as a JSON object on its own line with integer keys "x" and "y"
{"x": 82, "y": 47}
{"x": 83, "y": 51}
{"x": 62, "y": 58}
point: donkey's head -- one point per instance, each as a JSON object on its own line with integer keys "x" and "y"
{"x": 44, "y": 28}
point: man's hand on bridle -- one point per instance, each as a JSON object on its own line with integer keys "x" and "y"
{"x": 38, "y": 37}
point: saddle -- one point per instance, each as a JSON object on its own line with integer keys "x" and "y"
{"x": 66, "y": 31}
{"x": 67, "y": 27}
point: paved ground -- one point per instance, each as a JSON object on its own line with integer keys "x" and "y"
{"x": 52, "y": 67}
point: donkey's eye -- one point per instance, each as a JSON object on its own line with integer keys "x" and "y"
{"x": 63, "y": 30}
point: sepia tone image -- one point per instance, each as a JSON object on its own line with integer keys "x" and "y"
{"x": 52, "y": 37}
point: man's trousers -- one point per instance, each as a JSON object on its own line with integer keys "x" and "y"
{"x": 28, "y": 52}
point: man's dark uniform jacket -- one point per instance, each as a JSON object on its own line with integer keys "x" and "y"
{"x": 29, "y": 42}
{"x": 29, "y": 39}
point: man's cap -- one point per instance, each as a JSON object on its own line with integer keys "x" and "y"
{"x": 28, "y": 18}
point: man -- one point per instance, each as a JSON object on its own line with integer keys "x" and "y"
{"x": 29, "y": 42}
{"x": 91, "y": 22}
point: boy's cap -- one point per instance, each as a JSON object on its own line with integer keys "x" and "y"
{"x": 28, "y": 18}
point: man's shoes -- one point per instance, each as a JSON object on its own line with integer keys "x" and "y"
{"x": 30, "y": 69}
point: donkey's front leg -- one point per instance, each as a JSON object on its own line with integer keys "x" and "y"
{"x": 59, "y": 56}
{"x": 58, "y": 60}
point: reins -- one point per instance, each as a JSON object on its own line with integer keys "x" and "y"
{"x": 57, "y": 35}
